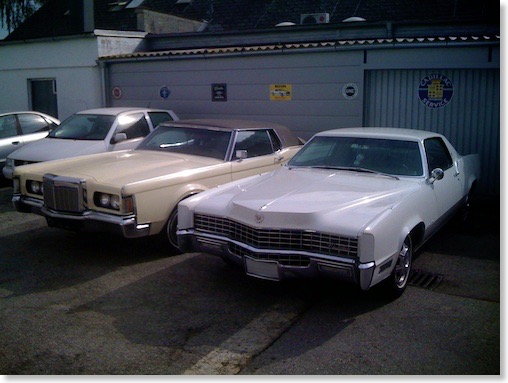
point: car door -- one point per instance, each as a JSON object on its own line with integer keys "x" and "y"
{"x": 134, "y": 126}
{"x": 33, "y": 127}
{"x": 10, "y": 137}
{"x": 262, "y": 151}
{"x": 448, "y": 190}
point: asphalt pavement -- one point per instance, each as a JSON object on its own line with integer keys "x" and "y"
{"x": 87, "y": 305}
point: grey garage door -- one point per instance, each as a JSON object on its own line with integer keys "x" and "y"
{"x": 464, "y": 105}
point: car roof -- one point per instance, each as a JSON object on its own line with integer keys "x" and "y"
{"x": 382, "y": 132}
{"x": 114, "y": 111}
{"x": 287, "y": 137}
{"x": 6, "y": 113}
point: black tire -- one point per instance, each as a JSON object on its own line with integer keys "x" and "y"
{"x": 395, "y": 285}
{"x": 170, "y": 231}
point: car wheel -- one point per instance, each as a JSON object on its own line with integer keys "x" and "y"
{"x": 396, "y": 283}
{"x": 170, "y": 230}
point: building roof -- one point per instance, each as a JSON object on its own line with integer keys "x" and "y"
{"x": 66, "y": 17}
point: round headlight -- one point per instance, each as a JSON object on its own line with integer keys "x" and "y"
{"x": 35, "y": 187}
{"x": 115, "y": 202}
{"x": 104, "y": 200}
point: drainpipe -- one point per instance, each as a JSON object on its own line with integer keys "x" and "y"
{"x": 104, "y": 93}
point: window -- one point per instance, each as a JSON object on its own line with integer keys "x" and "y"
{"x": 133, "y": 125}
{"x": 255, "y": 142}
{"x": 32, "y": 123}
{"x": 159, "y": 117}
{"x": 194, "y": 141}
{"x": 275, "y": 140}
{"x": 8, "y": 126}
{"x": 438, "y": 155}
{"x": 84, "y": 127}
{"x": 316, "y": 152}
{"x": 397, "y": 157}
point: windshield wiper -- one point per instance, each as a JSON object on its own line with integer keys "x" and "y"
{"x": 356, "y": 169}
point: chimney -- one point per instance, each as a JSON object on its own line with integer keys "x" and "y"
{"x": 88, "y": 16}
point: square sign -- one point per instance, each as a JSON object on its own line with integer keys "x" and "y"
{"x": 219, "y": 92}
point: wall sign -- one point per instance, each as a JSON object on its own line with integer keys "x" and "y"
{"x": 116, "y": 92}
{"x": 435, "y": 90}
{"x": 164, "y": 92}
{"x": 350, "y": 91}
{"x": 219, "y": 92}
{"x": 280, "y": 92}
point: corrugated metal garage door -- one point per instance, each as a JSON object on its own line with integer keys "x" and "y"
{"x": 471, "y": 120}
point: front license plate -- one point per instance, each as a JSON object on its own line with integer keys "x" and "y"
{"x": 262, "y": 269}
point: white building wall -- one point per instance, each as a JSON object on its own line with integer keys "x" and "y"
{"x": 71, "y": 62}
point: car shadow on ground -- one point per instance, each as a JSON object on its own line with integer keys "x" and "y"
{"x": 45, "y": 259}
{"x": 197, "y": 305}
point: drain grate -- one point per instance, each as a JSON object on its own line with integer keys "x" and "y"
{"x": 424, "y": 279}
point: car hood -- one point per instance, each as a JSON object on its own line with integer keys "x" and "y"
{"x": 127, "y": 168}
{"x": 49, "y": 149}
{"x": 311, "y": 199}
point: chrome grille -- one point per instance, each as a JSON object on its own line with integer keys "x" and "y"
{"x": 279, "y": 239}
{"x": 63, "y": 193}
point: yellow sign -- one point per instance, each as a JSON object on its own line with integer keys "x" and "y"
{"x": 280, "y": 92}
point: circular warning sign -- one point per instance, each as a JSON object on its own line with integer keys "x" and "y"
{"x": 116, "y": 92}
{"x": 350, "y": 91}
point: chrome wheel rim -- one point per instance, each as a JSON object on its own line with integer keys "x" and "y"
{"x": 403, "y": 266}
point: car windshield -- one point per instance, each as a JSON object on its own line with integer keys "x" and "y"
{"x": 194, "y": 141}
{"x": 393, "y": 157}
{"x": 84, "y": 127}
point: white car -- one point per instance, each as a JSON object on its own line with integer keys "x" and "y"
{"x": 352, "y": 203}
{"x": 21, "y": 128}
{"x": 89, "y": 132}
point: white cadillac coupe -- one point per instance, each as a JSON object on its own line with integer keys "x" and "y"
{"x": 353, "y": 203}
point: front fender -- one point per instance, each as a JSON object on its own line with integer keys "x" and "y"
{"x": 389, "y": 231}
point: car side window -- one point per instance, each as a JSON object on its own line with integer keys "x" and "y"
{"x": 133, "y": 125}
{"x": 31, "y": 123}
{"x": 276, "y": 144}
{"x": 8, "y": 126}
{"x": 438, "y": 155}
{"x": 255, "y": 142}
{"x": 159, "y": 117}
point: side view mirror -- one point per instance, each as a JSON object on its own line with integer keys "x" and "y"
{"x": 436, "y": 175}
{"x": 241, "y": 154}
{"x": 119, "y": 137}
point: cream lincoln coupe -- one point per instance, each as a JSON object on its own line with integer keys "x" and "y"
{"x": 353, "y": 203}
{"x": 136, "y": 192}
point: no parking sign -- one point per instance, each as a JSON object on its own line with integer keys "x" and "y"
{"x": 116, "y": 92}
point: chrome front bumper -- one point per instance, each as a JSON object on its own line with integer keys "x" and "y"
{"x": 89, "y": 220}
{"x": 263, "y": 263}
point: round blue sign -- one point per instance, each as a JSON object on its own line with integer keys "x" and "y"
{"x": 435, "y": 90}
{"x": 164, "y": 92}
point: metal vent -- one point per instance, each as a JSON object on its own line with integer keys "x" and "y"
{"x": 425, "y": 279}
